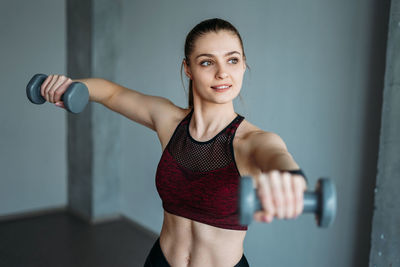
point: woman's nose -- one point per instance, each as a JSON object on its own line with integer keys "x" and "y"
{"x": 221, "y": 73}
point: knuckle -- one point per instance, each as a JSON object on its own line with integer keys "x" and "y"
{"x": 281, "y": 214}
{"x": 298, "y": 185}
{"x": 298, "y": 179}
{"x": 277, "y": 193}
{"x": 290, "y": 198}
{"x": 278, "y": 203}
{"x": 261, "y": 192}
{"x": 289, "y": 214}
{"x": 274, "y": 173}
{"x": 264, "y": 200}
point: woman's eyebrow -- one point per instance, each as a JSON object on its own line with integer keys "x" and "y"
{"x": 211, "y": 55}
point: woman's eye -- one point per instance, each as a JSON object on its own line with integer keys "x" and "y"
{"x": 203, "y": 63}
{"x": 235, "y": 60}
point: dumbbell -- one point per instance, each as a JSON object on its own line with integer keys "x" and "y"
{"x": 322, "y": 202}
{"x": 75, "y": 97}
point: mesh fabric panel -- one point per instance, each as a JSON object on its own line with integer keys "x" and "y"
{"x": 203, "y": 156}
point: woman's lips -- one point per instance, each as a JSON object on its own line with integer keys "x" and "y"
{"x": 221, "y": 87}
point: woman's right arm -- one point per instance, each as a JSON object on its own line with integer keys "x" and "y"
{"x": 144, "y": 109}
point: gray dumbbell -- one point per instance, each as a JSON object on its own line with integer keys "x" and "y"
{"x": 322, "y": 202}
{"x": 75, "y": 97}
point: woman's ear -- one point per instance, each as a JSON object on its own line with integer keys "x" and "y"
{"x": 187, "y": 69}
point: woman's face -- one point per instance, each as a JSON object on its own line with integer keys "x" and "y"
{"x": 216, "y": 67}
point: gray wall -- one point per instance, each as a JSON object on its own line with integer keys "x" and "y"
{"x": 316, "y": 79}
{"x": 33, "y": 138}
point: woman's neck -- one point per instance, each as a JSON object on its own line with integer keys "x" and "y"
{"x": 208, "y": 120}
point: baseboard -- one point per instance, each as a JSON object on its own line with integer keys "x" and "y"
{"x": 98, "y": 220}
{"x": 57, "y": 209}
{"x": 31, "y": 214}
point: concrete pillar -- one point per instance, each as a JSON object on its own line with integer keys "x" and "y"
{"x": 94, "y": 148}
{"x": 385, "y": 238}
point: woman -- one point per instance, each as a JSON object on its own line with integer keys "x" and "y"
{"x": 206, "y": 148}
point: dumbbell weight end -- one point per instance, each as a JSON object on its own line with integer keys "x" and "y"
{"x": 32, "y": 91}
{"x": 76, "y": 97}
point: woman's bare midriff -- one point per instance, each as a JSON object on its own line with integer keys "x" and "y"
{"x": 185, "y": 242}
{"x": 189, "y": 243}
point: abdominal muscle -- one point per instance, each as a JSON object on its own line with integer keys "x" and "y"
{"x": 189, "y": 243}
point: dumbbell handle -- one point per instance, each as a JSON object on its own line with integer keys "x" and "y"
{"x": 322, "y": 202}
{"x": 310, "y": 202}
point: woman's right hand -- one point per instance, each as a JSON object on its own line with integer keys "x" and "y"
{"x": 54, "y": 87}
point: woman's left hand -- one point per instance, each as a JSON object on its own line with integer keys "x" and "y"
{"x": 281, "y": 195}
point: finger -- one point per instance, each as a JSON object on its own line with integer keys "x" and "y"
{"x": 288, "y": 195}
{"x": 60, "y": 104}
{"x": 61, "y": 88}
{"x": 277, "y": 193}
{"x": 60, "y": 80}
{"x": 299, "y": 188}
{"x": 261, "y": 216}
{"x": 49, "y": 87}
{"x": 44, "y": 85}
{"x": 264, "y": 194}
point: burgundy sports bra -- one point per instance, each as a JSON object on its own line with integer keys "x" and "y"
{"x": 200, "y": 180}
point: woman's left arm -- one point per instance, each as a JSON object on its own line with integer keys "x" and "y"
{"x": 280, "y": 192}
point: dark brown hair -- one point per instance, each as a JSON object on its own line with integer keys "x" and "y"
{"x": 206, "y": 26}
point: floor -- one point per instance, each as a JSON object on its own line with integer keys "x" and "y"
{"x": 61, "y": 240}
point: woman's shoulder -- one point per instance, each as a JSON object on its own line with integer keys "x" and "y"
{"x": 169, "y": 122}
{"x": 252, "y": 135}
{"x": 171, "y": 116}
{"x": 248, "y": 130}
